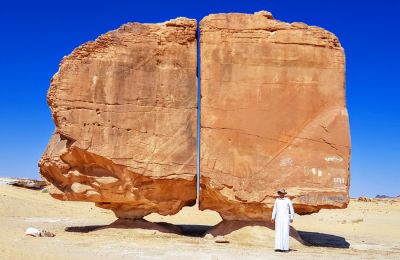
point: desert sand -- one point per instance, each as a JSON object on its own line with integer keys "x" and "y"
{"x": 365, "y": 230}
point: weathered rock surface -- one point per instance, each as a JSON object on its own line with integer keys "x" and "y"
{"x": 273, "y": 115}
{"x": 24, "y": 183}
{"x": 125, "y": 109}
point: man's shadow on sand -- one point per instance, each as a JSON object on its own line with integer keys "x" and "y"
{"x": 221, "y": 229}
{"x": 324, "y": 240}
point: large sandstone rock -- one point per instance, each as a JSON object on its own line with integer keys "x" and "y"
{"x": 273, "y": 114}
{"x": 125, "y": 109}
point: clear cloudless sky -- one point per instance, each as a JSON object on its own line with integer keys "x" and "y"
{"x": 35, "y": 35}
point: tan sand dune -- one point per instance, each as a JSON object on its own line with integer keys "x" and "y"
{"x": 365, "y": 230}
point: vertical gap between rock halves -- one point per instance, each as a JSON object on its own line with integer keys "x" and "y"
{"x": 198, "y": 116}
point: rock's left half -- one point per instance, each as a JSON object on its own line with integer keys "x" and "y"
{"x": 125, "y": 109}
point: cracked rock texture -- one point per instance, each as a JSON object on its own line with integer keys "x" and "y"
{"x": 125, "y": 109}
{"x": 273, "y": 115}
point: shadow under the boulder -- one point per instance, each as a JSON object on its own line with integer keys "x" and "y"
{"x": 85, "y": 229}
{"x": 194, "y": 230}
{"x": 221, "y": 229}
{"x": 163, "y": 227}
{"x": 323, "y": 240}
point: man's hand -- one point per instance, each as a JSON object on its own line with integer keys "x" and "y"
{"x": 272, "y": 220}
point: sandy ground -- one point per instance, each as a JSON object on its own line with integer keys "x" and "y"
{"x": 365, "y": 230}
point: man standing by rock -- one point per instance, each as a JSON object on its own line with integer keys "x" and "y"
{"x": 282, "y": 216}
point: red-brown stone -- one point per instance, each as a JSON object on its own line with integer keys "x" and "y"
{"x": 125, "y": 109}
{"x": 273, "y": 115}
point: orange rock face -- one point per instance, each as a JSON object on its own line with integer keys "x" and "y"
{"x": 273, "y": 115}
{"x": 125, "y": 109}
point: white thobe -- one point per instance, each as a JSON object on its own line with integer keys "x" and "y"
{"x": 282, "y": 213}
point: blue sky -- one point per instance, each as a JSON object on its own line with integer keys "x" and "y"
{"x": 35, "y": 35}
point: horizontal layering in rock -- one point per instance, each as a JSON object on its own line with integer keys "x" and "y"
{"x": 273, "y": 115}
{"x": 125, "y": 109}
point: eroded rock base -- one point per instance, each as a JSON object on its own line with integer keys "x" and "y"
{"x": 78, "y": 175}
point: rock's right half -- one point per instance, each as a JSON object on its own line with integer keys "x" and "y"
{"x": 273, "y": 115}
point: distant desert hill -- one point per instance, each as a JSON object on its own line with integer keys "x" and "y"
{"x": 386, "y": 197}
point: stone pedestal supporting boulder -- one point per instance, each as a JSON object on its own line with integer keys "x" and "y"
{"x": 125, "y": 109}
{"x": 273, "y": 115}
